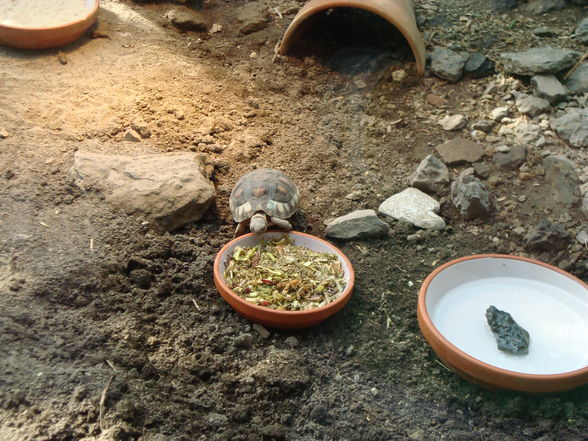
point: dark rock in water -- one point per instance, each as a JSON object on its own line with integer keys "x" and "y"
{"x": 509, "y": 335}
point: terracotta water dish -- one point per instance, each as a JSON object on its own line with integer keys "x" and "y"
{"x": 400, "y": 13}
{"x": 549, "y": 303}
{"x": 271, "y": 317}
{"x": 29, "y": 37}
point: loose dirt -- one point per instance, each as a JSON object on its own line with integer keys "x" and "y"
{"x": 112, "y": 331}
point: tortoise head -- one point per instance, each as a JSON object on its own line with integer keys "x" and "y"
{"x": 258, "y": 223}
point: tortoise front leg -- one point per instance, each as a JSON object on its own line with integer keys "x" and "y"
{"x": 281, "y": 223}
{"x": 241, "y": 229}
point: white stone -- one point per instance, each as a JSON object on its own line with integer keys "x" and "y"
{"x": 499, "y": 114}
{"x": 415, "y": 207}
{"x": 453, "y": 122}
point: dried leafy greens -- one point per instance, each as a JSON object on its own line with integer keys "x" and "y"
{"x": 283, "y": 276}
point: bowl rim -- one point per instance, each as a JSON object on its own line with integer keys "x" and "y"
{"x": 89, "y": 15}
{"x": 455, "y": 351}
{"x": 280, "y": 313}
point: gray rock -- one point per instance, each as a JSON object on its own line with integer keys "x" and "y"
{"x": 415, "y": 207}
{"x": 471, "y": 197}
{"x": 503, "y": 5}
{"x": 510, "y": 160}
{"x": 453, "y": 122}
{"x": 485, "y": 125}
{"x": 460, "y": 150}
{"x": 572, "y": 126}
{"x": 547, "y": 236}
{"x": 431, "y": 175}
{"x": 359, "y": 224}
{"x": 584, "y": 205}
{"x": 562, "y": 179}
{"x": 538, "y": 60}
{"x": 549, "y": 87}
{"x": 479, "y": 66}
{"x": 581, "y": 32}
{"x": 499, "y": 113}
{"x": 482, "y": 170}
{"x": 538, "y": 7}
{"x": 527, "y": 133}
{"x": 510, "y": 337}
{"x": 448, "y": 64}
{"x": 531, "y": 105}
{"x": 243, "y": 341}
{"x": 582, "y": 237}
{"x": 544, "y": 32}
{"x": 170, "y": 190}
{"x": 577, "y": 82}
{"x": 217, "y": 420}
{"x": 187, "y": 19}
{"x": 252, "y": 17}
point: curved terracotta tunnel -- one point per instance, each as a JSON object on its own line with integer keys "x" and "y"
{"x": 399, "y": 13}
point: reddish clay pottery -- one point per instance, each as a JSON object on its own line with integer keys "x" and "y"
{"x": 400, "y": 13}
{"x": 271, "y": 317}
{"x": 550, "y": 304}
{"x": 46, "y": 37}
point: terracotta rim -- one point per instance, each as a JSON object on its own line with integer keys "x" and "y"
{"x": 27, "y": 37}
{"x": 471, "y": 366}
{"x": 49, "y": 28}
{"x": 399, "y": 13}
{"x": 321, "y": 311}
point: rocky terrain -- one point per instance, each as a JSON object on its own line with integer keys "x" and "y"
{"x": 117, "y": 157}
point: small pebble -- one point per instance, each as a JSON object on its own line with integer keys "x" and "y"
{"x": 4, "y": 133}
{"x": 62, "y": 57}
{"x": 264, "y": 333}
{"x": 399, "y": 75}
{"x": 291, "y": 341}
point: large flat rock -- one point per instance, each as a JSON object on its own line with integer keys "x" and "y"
{"x": 541, "y": 60}
{"x": 169, "y": 190}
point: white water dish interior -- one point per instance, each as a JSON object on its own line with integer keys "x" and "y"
{"x": 553, "y": 308}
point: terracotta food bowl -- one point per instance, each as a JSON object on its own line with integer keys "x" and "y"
{"x": 399, "y": 13}
{"x": 47, "y": 36}
{"x": 550, "y": 304}
{"x": 275, "y": 318}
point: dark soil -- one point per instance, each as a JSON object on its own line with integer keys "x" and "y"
{"x": 112, "y": 331}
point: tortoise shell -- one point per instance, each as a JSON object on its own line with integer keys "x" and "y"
{"x": 267, "y": 190}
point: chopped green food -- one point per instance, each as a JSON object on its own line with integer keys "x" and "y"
{"x": 280, "y": 275}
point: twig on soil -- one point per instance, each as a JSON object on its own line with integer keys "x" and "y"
{"x": 276, "y": 50}
{"x": 109, "y": 363}
{"x": 103, "y": 401}
{"x": 195, "y": 304}
{"x": 277, "y": 11}
{"x": 443, "y": 366}
{"x": 92, "y": 243}
{"x": 575, "y": 66}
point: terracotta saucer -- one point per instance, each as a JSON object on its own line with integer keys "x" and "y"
{"x": 271, "y": 317}
{"x": 549, "y": 303}
{"x": 47, "y": 37}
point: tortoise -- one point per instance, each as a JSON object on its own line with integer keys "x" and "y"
{"x": 263, "y": 198}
